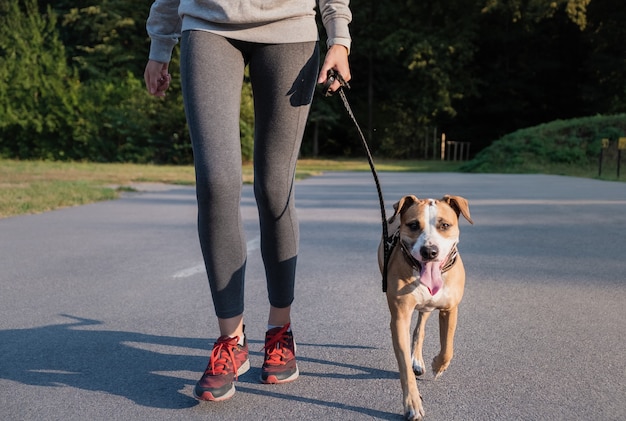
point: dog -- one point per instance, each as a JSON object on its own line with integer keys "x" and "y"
{"x": 425, "y": 273}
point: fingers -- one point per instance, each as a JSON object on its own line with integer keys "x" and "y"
{"x": 336, "y": 59}
{"x": 162, "y": 84}
{"x": 157, "y": 78}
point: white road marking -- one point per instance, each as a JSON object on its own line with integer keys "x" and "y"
{"x": 186, "y": 273}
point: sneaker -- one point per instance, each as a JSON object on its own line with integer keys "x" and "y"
{"x": 280, "y": 356}
{"x": 228, "y": 361}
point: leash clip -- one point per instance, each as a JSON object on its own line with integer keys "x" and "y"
{"x": 333, "y": 76}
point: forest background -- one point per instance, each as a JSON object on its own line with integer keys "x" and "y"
{"x": 71, "y": 78}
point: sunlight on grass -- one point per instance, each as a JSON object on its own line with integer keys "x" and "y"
{"x": 27, "y": 171}
{"x": 319, "y": 165}
{"x": 41, "y": 196}
{"x": 39, "y": 186}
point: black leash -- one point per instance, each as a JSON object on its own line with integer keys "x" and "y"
{"x": 336, "y": 76}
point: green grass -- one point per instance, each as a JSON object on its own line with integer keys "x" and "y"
{"x": 40, "y": 186}
{"x": 569, "y": 147}
{"x": 564, "y": 147}
{"x": 40, "y": 196}
{"x": 307, "y": 167}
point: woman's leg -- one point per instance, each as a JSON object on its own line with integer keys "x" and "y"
{"x": 283, "y": 81}
{"x": 212, "y": 74}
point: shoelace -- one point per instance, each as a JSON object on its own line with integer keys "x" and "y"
{"x": 222, "y": 354}
{"x": 274, "y": 348}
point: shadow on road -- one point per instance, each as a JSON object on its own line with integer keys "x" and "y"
{"x": 76, "y": 355}
{"x": 149, "y": 370}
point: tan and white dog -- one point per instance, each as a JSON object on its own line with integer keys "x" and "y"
{"x": 425, "y": 273}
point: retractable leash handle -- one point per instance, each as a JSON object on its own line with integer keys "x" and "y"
{"x": 387, "y": 242}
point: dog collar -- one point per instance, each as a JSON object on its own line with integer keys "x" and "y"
{"x": 451, "y": 260}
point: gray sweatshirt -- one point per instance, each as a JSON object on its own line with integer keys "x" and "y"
{"x": 263, "y": 21}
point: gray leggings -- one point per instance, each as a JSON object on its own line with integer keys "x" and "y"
{"x": 283, "y": 79}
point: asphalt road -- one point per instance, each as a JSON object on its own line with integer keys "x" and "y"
{"x": 105, "y": 312}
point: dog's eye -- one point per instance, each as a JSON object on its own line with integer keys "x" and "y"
{"x": 413, "y": 226}
{"x": 444, "y": 226}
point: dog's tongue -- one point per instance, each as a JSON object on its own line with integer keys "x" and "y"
{"x": 431, "y": 276}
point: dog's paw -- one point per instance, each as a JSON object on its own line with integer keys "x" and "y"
{"x": 413, "y": 416}
{"x": 418, "y": 367}
{"x": 439, "y": 366}
{"x": 414, "y": 411}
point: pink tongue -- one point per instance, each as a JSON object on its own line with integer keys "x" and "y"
{"x": 431, "y": 276}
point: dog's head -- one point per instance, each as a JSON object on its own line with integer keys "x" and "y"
{"x": 429, "y": 228}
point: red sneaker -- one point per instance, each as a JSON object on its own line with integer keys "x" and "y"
{"x": 228, "y": 361}
{"x": 280, "y": 356}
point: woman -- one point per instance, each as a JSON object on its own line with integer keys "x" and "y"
{"x": 278, "y": 40}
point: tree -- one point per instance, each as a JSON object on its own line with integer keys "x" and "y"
{"x": 603, "y": 85}
{"x": 417, "y": 55}
{"x": 108, "y": 42}
{"x": 38, "y": 91}
{"x": 534, "y": 11}
{"x": 47, "y": 112}
{"x": 71, "y": 77}
{"x": 528, "y": 69}
{"x": 104, "y": 37}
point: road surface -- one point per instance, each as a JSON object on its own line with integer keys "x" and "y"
{"x": 105, "y": 311}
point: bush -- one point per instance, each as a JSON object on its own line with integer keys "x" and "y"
{"x": 47, "y": 111}
{"x": 575, "y": 142}
{"x": 38, "y": 89}
{"x": 120, "y": 122}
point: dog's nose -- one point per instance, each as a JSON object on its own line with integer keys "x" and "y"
{"x": 429, "y": 252}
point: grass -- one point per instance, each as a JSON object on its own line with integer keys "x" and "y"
{"x": 39, "y": 186}
{"x": 566, "y": 147}
{"x": 569, "y": 147}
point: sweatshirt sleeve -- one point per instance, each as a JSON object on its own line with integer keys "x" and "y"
{"x": 336, "y": 16}
{"x": 164, "y": 28}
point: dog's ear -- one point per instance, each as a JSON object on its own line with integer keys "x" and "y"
{"x": 401, "y": 205}
{"x": 460, "y": 206}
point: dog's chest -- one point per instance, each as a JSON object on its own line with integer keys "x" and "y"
{"x": 424, "y": 301}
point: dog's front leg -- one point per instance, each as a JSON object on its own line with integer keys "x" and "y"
{"x": 419, "y": 367}
{"x": 447, "y": 327}
{"x": 400, "y": 335}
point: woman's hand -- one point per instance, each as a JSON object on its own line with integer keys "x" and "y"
{"x": 157, "y": 78}
{"x": 336, "y": 59}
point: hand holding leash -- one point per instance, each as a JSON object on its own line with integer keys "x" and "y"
{"x": 333, "y": 76}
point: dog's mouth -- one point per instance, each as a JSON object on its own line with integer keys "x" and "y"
{"x": 430, "y": 276}
{"x": 430, "y": 265}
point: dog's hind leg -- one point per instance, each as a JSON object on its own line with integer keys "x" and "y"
{"x": 447, "y": 327}
{"x": 419, "y": 367}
